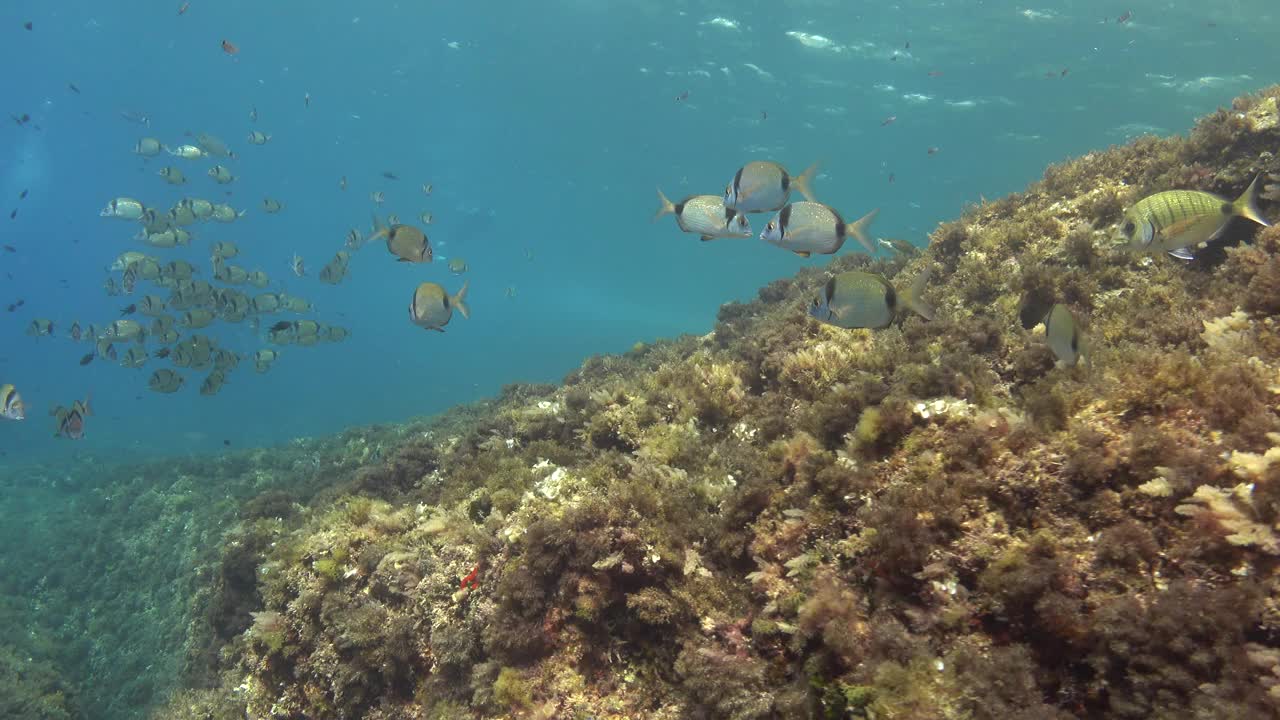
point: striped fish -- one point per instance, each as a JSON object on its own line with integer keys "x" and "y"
{"x": 1175, "y": 220}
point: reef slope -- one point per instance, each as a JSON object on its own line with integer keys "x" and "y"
{"x": 784, "y": 519}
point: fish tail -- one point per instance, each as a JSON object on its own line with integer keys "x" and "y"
{"x": 88, "y": 410}
{"x": 1247, "y": 204}
{"x": 459, "y": 301}
{"x": 804, "y": 182}
{"x": 665, "y": 206}
{"x": 914, "y": 296}
{"x": 859, "y": 230}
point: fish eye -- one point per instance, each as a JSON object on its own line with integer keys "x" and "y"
{"x": 1128, "y": 228}
{"x": 769, "y": 226}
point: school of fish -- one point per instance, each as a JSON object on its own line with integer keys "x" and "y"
{"x": 1176, "y": 222}
{"x": 170, "y": 306}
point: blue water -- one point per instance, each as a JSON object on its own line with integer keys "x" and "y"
{"x": 544, "y": 128}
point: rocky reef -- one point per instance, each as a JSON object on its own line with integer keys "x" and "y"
{"x": 783, "y": 519}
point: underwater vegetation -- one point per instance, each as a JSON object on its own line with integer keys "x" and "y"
{"x": 787, "y": 519}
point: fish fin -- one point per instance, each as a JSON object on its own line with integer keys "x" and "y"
{"x": 914, "y": 297}
{"x": 859, "y": 230}
{"x": 705, "y": 238}
{"x": 804, "y": 182}
{"x": 1247, "y": 204}
{"x": 1182, "y": 254}
{"x": 459, "y": 301}
{"x": 401, "y": 260}
{"x": 88, "y": 410}
{"x": 665, "y": 206}
{"x": 802, "y": 253}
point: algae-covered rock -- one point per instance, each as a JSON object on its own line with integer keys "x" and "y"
{"x": 784, "y": 519}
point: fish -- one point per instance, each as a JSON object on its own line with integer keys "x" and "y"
{"x": 161, "y": 324}
{"x": 265, "y": 303}
{"x": 104, "y": 348}
{"x": 342, "y": 183}
{"x": 426, "y": 218}
{"x": 431, "y": 307}
{"x": 333, "y": 273}
{"x": 336, "y": 333}
{"x": 295, "y": 304}
{"x": 225, "y": 249}
{"x": 180, "y": 269}
{"x": 231, "y": 274}
{"x": 258, "y": 279}
{"x": 11, "y": 407}
{"x": 187, "y": 152}
{"x": 75, "y": 333}
{"x": 406, "y": 242}
{"x": 181, "y": 215}
{"x": 165, "y": 381}
{"x": 139, "y": 118}
{"x": 457, "y": 265}
{"x": 902, "y": 247}
{"x": 230, "y": 48}
{"x": 297, "y": 266}
{"x": 765, "y": 186}
{"x": 201, "y": 208}
{"x": 224, "y": 213}
{"x": 253, "y": 114}
{"x": 152, "y": 306}
{"x": 28, "y": 25}
{"x": 809, "y": 227}
{"x": 88, "y": 358}
{"x": 705, "y": 216}
{"x": 221, "y": 174}
{"x": 866, "y": 300}
{"x": 378, "y": 197}
{"x": 213, "y": 383}
{"x": 257, "y": 137}
{"x": 1174, "y": 221}
{"x": 135, "y": 357}
{"x": 213, "y": 145}
{"x": 125, "y": 330}
{"x": 147, "y": 147}
{"x": 197, "y": 318}
{"x": 263, "y": 359}
{"x": 1125, "y": 17}
{"x": 271, "y": 206}
{"x": 172, "y": 175}
{"x": 182, "y": 9}
{"x": 355, "y": 240}
{"x": 390, "y": 175}
{"x": 1064, "y": 336}
{"x": 225, "y": 360}
{"x": 40, "y": 327}
{"x": 70, "y": 422}
{"x": 13, "y": 214}
{"x": 427, "y": 188}
{"x": 124, "y": 208}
